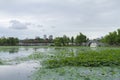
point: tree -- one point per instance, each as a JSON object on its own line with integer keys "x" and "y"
{"x": 118, "y": 37}
{"x": 72, "y": 40}
{"x": 62, "y": 41}
{"x": 81, "y": 38}
{"x": 66, "y": 40}
{"x": 11, "y": 41}
{"x": 58, "y": 41}
{"x": 112, "y": 38}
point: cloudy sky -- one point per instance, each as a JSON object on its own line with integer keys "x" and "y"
{"x": 31, "y": 18}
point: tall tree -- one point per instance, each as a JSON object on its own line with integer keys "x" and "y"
{"x": 58, "y": 41}
{"x": 81, "y": 38}
{"x": 112, "y": 38}
{"x": 72, "y": 40}
{"x": 118, "y": 37}
{"x": 11, "y": 41}
{"x": 66, "y": 40}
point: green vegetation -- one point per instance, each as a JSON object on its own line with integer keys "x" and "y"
{"x": 64, "y": 41}
{"x": 70, "y": 63}
{"x": 78, "y": 73}
{"x": 72, "y": 40}
{"x": 88, "y": 58}
{"x": 81, "y": 38}
{"x": 78, "y": 63}
{"x": 1, "y": 62}
{"x": 113, "y": 38}
{"x": 8, "y": 41}
{"x": 61, "y": 41}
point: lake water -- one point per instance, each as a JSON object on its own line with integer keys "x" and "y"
{"x": 7, "y": 53}
{"x": 21, "y": 71}
{"x": 14, "y": 68}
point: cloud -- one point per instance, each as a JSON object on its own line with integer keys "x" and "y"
{"x": 18, "y": 25}
{"x": 61, "y": 15}
{"x": 53, "y": 27}
{"x": 15, "y": 24}
{"x": 36, "y": 25}
{"x": 40, "y": 26}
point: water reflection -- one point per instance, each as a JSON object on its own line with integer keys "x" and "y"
{"x": 15, "y": 68}
{"x": 10, "y": 50}
{"x": 13, "y": 50}
{"x": 19, "y": 52}
{"x": 13, "y": 53}
{"x": 18, "y": 72}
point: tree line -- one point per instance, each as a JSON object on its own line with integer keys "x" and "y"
{"x": 10, "y": 41}
{"x": 113, "y": 38}
{"x": 66, "y": 41}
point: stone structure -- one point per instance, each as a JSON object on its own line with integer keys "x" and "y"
{"x": 93, "y": 43}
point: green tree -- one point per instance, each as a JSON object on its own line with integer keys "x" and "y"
{"x": 80, "y": 39}
{"x": 111, "y": 39}
{"x": 58, "y": 41}
{"x": 11, "y": 41}
{"x": 62, "y": 41}
{"x": 118, "y": 37}
{"x": 72, "y": 40}
{"x": 66, "y": 40}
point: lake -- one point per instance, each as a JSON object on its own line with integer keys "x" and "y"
{"x": 18, "y": 66}
{"x": 14, "y": 68}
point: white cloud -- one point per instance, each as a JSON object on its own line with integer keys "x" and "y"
{"x": 18, "y": 25}
{"x": 68, "y": 16}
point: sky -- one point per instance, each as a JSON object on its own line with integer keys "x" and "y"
{"x": 32, "y": 18}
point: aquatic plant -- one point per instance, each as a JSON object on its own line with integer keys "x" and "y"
{"x": 78, "y": 63}
{"x": 1, "y": 62}
{"x": 109, "y": 57}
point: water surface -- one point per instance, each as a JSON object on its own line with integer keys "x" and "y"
{"x": 18, "y": 69}
{"x": 14, "y": 68}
